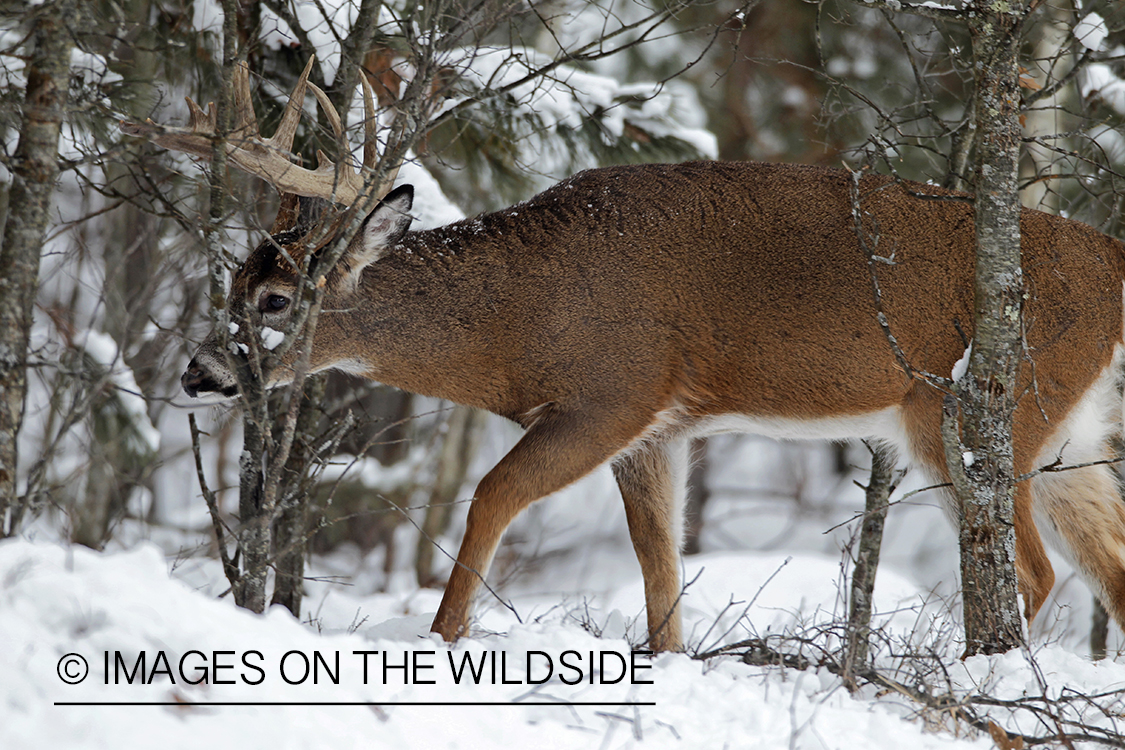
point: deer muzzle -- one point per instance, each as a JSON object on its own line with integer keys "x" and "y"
{"x": 196, "y": 380}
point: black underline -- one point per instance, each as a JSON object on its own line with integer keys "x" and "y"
{"x": 189, "y": 704}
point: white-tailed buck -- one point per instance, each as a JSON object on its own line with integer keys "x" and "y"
{"x": 627, "y": 310}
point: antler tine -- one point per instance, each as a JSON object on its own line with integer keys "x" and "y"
{"x": 283, "y": 138}
{"x": 200, "y": 121}
{"x": 194, "y": 140}
{"x": 371, "y": 141}
{"x": 270, "y": 159}
{"x": 370, "y": 126}
{"x": 332, "y": 115}
{"x": 245, "y": 121}
{"x": 346, "y": 184}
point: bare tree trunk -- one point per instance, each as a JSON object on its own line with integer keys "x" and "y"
{"x": 1051, "y": 39}
{"x": 697, "y": 496}
{"x": 254, "y": 518}
{"x": 265, "y": 462}
{"x": 458, "y": 447}
{"x": 1099, "y": 631}
{"x": 254, "y": 525}
{"x": 878, "y": 491}
{"x": 34, "y": 170}
{"x": 118, "y": 463}
{"x": 987, "y": 395}
{"x": 130, "y": 256}
{"x": 291, "y": 529}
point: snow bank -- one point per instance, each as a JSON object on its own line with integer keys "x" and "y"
{"x": 56, "y": 602}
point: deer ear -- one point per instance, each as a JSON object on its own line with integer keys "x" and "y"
{"x": 382, "y": 228}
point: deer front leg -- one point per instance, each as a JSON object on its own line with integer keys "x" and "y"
{"x": 652, "y": 478}
{"x": 559, "y": 449}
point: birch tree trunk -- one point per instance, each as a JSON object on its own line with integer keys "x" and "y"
{"x": 254, "y": 530}
{"x": 858, "y": 630}
{"x": 34, "y": 169}
{"x": 987, "y": 395}
{"x": 291, "y": 529}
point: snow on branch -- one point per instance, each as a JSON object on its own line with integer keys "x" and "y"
{"x": 929, "y": 9}
{"x": 568, "y": 97}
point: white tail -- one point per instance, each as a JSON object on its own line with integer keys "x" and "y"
{"x": 628, "y": 310}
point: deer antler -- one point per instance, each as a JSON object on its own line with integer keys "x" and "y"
{"x": 269, "y": 159}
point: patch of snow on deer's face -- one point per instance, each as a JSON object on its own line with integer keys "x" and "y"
{"x": 271, "y": 339}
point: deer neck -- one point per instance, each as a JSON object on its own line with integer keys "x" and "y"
{"x": 427, "y": 315}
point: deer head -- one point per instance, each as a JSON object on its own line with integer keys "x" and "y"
{"x": 264, "y": 289}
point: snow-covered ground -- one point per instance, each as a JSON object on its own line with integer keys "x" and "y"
{"x": 64, "y": 610}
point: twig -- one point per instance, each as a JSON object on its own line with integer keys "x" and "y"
{"x": 230, "y": 570}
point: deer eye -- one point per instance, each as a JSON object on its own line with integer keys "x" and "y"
{"x": 274, "y": 303}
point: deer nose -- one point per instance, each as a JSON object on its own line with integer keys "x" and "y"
{"x": 193, "y": 377}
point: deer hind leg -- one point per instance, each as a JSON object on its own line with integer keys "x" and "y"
{"x": 1034, "y": 571}
{"x": 1080, "y": 510}
{"x": 1083, "y": 517}
{"x": 653, "y": 478}
{"x": 922, "y": 415}
{"x": 559, "y": 449}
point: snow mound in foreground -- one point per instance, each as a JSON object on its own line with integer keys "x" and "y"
{"x": 56, "y": 602}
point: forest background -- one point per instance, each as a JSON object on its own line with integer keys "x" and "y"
{"x": 519, "y": 96}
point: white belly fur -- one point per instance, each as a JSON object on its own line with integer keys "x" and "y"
{"x": 884, "y": 426}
